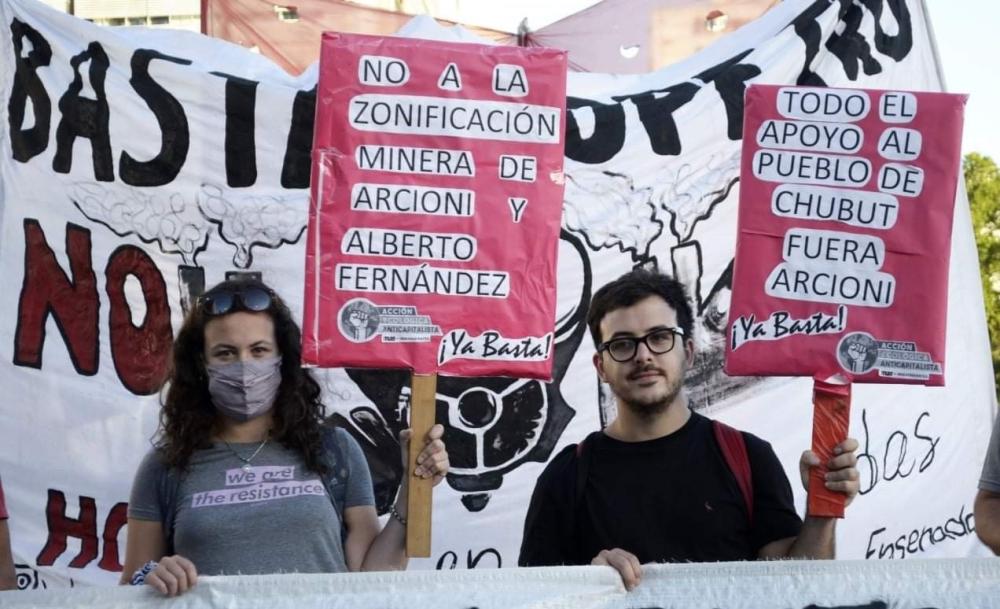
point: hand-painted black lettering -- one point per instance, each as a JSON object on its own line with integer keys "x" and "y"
{"x": 608, "y": 136}
{"x": 241, "y": 147}
{"x": 28, "y": 143}
{"x": 933, "y": 442}
{"x": 851, "y": 47}
{"x": 448, "y": 560}
{"x": 920, "y": 539}
{"x": 895, "y": 456}
{"x": 811, "y": 34}
{"x": 296, "y": 167}
{"x": 729, "y": 78}
{"x": 898, "y": 46}
{"x": 473, "y": 561}
{"x": 174, "y": 135}
{"x": 897, "y": 441}
{"x": 656, "y": 113}
{"x": 83, "y": 117}
{"x": 847, "y": 43}
{"x": 867, "y": 463}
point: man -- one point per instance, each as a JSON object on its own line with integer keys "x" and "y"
{"x": 657, "y": 485}
{"x": 987, "y": 506}
{"x": 8, "y": 576}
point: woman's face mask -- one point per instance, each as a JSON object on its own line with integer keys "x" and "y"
{"x": 244, "y": 390}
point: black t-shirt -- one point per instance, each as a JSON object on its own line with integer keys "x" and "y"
{"x": 672, "y": 499}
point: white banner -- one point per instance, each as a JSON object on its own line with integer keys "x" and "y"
{"x": 930, "y": 584}
{"x": 139, "y": 166}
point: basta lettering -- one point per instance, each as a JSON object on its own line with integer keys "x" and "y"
{"x": 745, "y": 329}
{"x": 174, "y": 132}
{"x": 85, "y": 113}
{"x": 491, "y": 345}
{"x": 817, "y": 323}
{"x": 27, "y": 143}
{"x": 496, "y": 347}
{"x": 85, "y": 117}
{"x": 781, "y": 324}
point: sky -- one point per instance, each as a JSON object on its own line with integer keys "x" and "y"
{"x": 968, "y": 41}
{"x": 967, "y": 34}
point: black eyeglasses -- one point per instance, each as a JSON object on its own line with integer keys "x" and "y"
{"x": 220, "y": 301}
{"x": 658, "y": 341}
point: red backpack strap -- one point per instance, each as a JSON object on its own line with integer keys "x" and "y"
{"x": 583, "y": 465}
{"x": 734, "y": 451}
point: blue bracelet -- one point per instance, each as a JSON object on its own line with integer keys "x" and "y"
{"x": 139, "y": 577}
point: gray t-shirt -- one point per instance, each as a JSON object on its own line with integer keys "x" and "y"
{"x": 990, "y": 480}
{"x": 274, "y": 517}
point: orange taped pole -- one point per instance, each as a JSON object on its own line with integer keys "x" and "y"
{"x": 831, "y": 420}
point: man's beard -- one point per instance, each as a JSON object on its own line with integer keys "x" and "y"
{"x": 655, "y": 406}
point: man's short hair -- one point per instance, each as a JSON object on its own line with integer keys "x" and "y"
{"x": 632, "y": 287}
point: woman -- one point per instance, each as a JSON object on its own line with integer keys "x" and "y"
{"x": 244, "y": 478}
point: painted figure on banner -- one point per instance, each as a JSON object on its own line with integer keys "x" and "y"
{"x": 183, "y": 226}
{"x": 662, "y": 483}
{"x": 492, "y": 425}
{"x": 609, "y": 212}
{"x": 987, "y": 507}
{"x": 242, "y": 445}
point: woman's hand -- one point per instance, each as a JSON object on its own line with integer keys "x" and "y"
{"x": 173, "y": 576}
{"x": 432, "y": 462}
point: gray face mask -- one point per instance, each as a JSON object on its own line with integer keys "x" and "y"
{"x": 244, "y": 390}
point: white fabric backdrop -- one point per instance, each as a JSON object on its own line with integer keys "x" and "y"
{"x": 631, "y": 199}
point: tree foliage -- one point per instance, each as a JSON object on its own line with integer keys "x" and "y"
{"x": 982, "y": 181}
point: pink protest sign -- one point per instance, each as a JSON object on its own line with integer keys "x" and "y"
{"x": 844, "y": 234}
{"x": 436, "y": 203}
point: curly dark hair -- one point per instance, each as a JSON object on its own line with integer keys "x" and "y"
{"x": 632, "y": 287}
{"x": 187, "y": 419}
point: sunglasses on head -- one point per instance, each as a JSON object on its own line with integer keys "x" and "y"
{"x": 220, "y": 301}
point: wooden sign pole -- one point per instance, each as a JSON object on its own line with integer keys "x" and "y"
{"x": 418, "y": 501}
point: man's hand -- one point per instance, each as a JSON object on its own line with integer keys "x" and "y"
{"x": 842, "y": 473}
{"x": 987, "y": 510}
{"x": 624, "y": 562}
{"x": 173, "y": 576}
